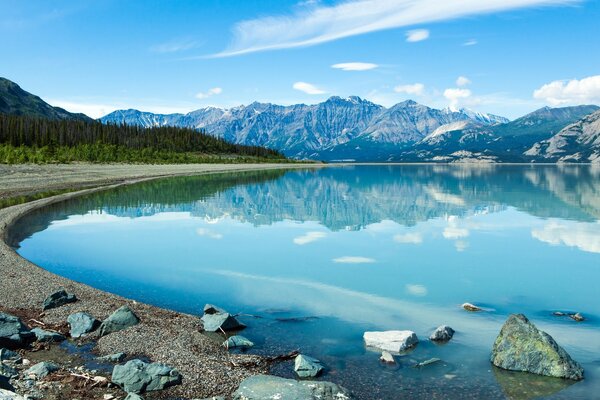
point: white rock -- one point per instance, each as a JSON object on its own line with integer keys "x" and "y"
{"x": 8, "y": 395}
{"x": 394, "y": 341}
{"x": 387, "y": 357}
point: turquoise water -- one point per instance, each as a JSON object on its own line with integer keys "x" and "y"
{"x": 314, "y": 258}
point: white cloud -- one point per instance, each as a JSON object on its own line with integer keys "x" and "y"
{"x": 326, "y": 22}
{"x": 210, "y": 92}
{"x": 174, "y": 46}
{"x": 456, "y": 95}
{"x": 416, "y": 89}
{"x": 353, "y": 260}
{"x": 355, "y": 66}
{"x": 89, "y": 109}
{"x": 417, "y": 35}
{"x": 416, "y": 290}
{"x": 309, "y": 237}
{"x": 307, "y": 88}
{"x": 410, "y": 238}
{"x": 586, "y": 90}
{"x": 470, "y": 42}
{"x": 462, "y": 81}
{"x": 584, "y": 236}
{"x": 208, "y": 233}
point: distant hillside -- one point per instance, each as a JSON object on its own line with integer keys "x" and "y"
{"x": 16, "y": 101}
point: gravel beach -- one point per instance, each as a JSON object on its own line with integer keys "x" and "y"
{"x": 163, "y": 336}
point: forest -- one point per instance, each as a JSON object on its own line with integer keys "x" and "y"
{"x": 26, "y": 139}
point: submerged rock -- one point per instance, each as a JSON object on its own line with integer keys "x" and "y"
{"x": 520, "y": 346}
{"x": 307, "y": 367}
{"x": 114, "y": 358}
{"x": 82, "y": 323}
{"x": 387, "y": 357}
{"x": 427, "y": 362}
{"x": 57, "y": 299}
{"x": 41, "y": 370}
{"x": 442, "y": 334}
{"x": 121, "y": 319}
{"x": 237, "y": 341}
{"x": 471, "y": 307}
{"x": 47, "y": 336}
{"x": 394, "y": 341}
{"x": 216, "y": 319}
{"x": 13, "y": 333}
{"x": 260, "y": 387}
{"x": 139, "y": 377}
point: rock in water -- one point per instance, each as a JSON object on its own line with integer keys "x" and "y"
{"x": 471, "y": 307}
{"x": 41, "y": 370}
{"x": 47, "y": 336}
{"x": 260, "y": 387}
{"x": 121, "y": 319}
{"x": 427, "y": 362}
{"x": 387, "y": 357}
{"x": 82, "y": 323}
{"x": 307, "y": 367}
{"x": 212, "y": 309}
{"x": 577, "y": 317}
{"x": 139, "y": 377}
{"x": 520, "y": 346}
{"x": 237, "y": 341}
{"x": 442, "y": 334}
{"x": 13, "y": 333}
{"x": 114, "y": 358}
{"x": 59, "y": 298}
{"x": 216, "y": 319}
{"x": 394, "y": 341}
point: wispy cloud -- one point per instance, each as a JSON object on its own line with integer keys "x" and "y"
{"x": 416, "y": 290}
{"x": 470, "y": 42}
{"x": 574, "y": 91}
{"x": 309, "y": 237}
{"x": 353, "y": 260}
{"x": 175, "y": 46}
{"x": 209, "y": 93}
{"x": 417, "y": 35}
{"x": 355, "y": 66}
{"x": 307, "y": 26}
{"x": 409, "y": 238}
{"x": 416, "y": 89}
{"x": 308, "y": 88}
{"x": 462, "y": 81}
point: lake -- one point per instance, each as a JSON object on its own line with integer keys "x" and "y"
{"x": 313, "y": 258}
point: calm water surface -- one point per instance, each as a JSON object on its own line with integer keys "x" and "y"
{"x": 317, "y": 257}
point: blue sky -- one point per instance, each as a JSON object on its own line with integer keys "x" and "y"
{"x": 512, "y": 56}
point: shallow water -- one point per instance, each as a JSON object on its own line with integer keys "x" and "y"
{"x": 355, "y": 249}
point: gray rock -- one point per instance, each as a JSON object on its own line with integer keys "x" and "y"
{"x": 82, "y": 323}
{"x": 260, "y": 387}
{"x": 57, "y": 299}
{"x": 139, "y": 377}
{"x": 133, "y": 396}
{"x": 394, "y": 341}
{"x": 237, "y": 341}
{"x": 471, "y": 307}
{"x": 41, "y": 370}
{"x": 47, "y": 336}
{"x": 13, "y": 333}
{"x": 5, "y": 385}
{"x": 442, "y": 334}
{"x": 8, "y": 371}
{"x": 9, "y": 355}
{"x": 115, "y": 358}
{"x": 9, "y": 395}
{"x": 307, "y": 367}
{"x": 216, "y": 319}
{"x": 387, "y": 357}
{"x": 427, "y": 362}
{"x": 121, "y": 319}
{"x": 212, "y": 309}
{"x": 520, "y": 346}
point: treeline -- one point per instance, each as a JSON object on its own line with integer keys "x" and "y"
{"x": 29, "y": 139}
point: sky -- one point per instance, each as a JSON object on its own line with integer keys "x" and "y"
{"x": 507, "y": 57}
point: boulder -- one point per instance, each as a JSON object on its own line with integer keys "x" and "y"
{"x": 82, "y": 323}
{"x": 41, "y": 370}
{"x": 520, "y": 346}
{"x": 442, "y": 334}
{"x": 47, "y": 336}
{"x": 216, "y": 319}
{"x": 471, "y": 307}
{"x": 137, "y": 376}
{"x": 13, "y": 333}
{"x": 307, "y": 367}
{"x": 114, "y": 358}
{"x": 8, "y": 371}
{"x": 9, "y": 395}
{"x": 121, "y": 319}
{"x": 260, "y": 387}
{"x": 5, "y": 385}
{"x": 212, "y": 309}
{"x": 133, "y": 396}
{"x": 9, "y": 355}
{"x": 237, "y": 341}
{"x": 387, "y": 357}
{"x": 57, "y": 299}
{"x": 394, "y": 341}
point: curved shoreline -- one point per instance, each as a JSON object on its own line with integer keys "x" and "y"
{"x": 164, "y": 336}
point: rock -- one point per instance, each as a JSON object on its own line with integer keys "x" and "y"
{"x": 13, "y": 333}
{"x": 214, "y": 398}
{"x": 216, "y": 319}
{"x": 442, "y": 334}
{"x": 115, "y": 358}
{"x": 471, "y": 307}
{"x": 139, "y": 377}
{"x": 9, "y": 395}
{"x": 47, "y": 336}
{"x": 260, "y": 387}
{"x": 8, "y": 355}
{"x": 394, "y": 341}
{"x": 133, "y": 396}
{"x": 5, "y": 385}
{"x": 237, "y": 341}
{"x": 559, "y": 314}
{"x": 427, "y": 362}
{"x": 41, "y": 370}
{"x": 520, "y": 346}
{"x": 387, "y": 357}
{"x": 211, "y": 309}
{"x": 57, "y": 299}
{"x": 121, "y": 319}
{"x": 307, "y": 367}
{"x": 82, "y": 323}
{"x": 108, "y": 396}
{"x": 8, "y": 371}
{"x": 577, "y": 317}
